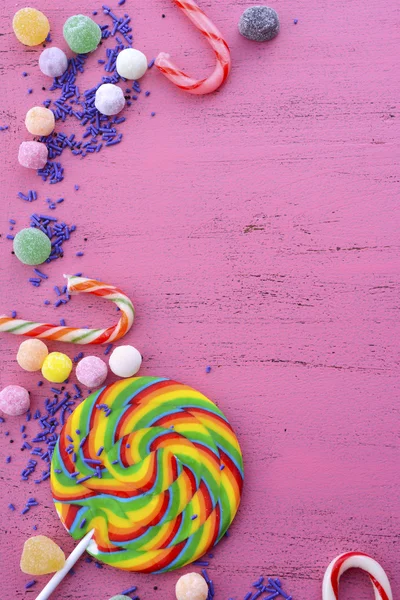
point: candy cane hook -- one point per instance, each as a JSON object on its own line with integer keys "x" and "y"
{"x": 216, "y": 41}
{"x": 355, "y": 560}
{"x": 75, "y": 335}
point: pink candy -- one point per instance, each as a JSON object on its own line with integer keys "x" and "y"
{"x": 14, "y": 400}
{"x": 32, "y": 155}
{"x": 91, "y": 371}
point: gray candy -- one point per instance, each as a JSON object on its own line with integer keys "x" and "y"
{"x": 259, "y": 23}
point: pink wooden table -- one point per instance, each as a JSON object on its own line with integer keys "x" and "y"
{"x": 258, "y": 232}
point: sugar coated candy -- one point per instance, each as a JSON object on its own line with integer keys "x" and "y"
{"x": 41, "y": 556}
{"x": 125, "y": 361}
{"x": 31, "y": 246}
{"x": 91, "y": 372}
{"x": 56, "y": 367}
{"x": 259, "y": 23}
{"x": 82, "y": 34}
{"x": 32, "y": 155}
{"x": 109, "y": 99}
{"x": 31, "y": 26}
{"x": 191, "y": 586}
{"x": 131, "y": 64}
{"x": 31, "y": 355}
{"x": 53, "y": 62}
{"x": 40, "y": 121}
{"x": 14, "y": 400}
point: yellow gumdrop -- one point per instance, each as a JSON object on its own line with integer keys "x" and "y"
{"x": 31, "y": 26}
{"x": 41, "y": 556}
{"x": 56, "y": 367}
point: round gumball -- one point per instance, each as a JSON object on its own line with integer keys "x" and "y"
{"x": 30, "y": 26}
{"x": 40, "y": 120}
{"x": 31, "y": 355}
{"x": 125, "y": 361}
{"x": 14, "y": 400}
{"x": 82, "y": 34}
{"x": 32, "y": 155}
{"x": 57, "y": 367}
{"x": 53, "y": 62}
{"x": 109, "y": 99}
{"x": 131, "y": 64}
{"x": 91, "y": 372}
{"x": 31, "y": 246}
{"x": 191, "y": 586}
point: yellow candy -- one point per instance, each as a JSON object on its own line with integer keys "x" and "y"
{"x": 41, "y": 556}
{"x": 56, "y": 367}
{"x": 31, "y": 26}
{"x": 40, "y": 120}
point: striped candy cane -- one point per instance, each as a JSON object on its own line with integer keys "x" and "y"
{"x": 355, "y": 560}
{"x": 73, "y": 335}
{"x": 216, "y": 41}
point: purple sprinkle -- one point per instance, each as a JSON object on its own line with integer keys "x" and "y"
{"x": 47, "y": 302}
{"x": 129, "y": 590}
{"x": 69, "y": 438}
{"x": 24, "y": 74}
{"x": 30, "y": 584}
{"x": 83, "y": 479}
{"x": 13, "y": 314}
{"x": 83, "y": 523}
{"x": 153, "y": 114}
{"x": 221, "y": 467}
{"x": 22, "y": 428}
{"x": 108, "y": 349}
{"x": 193, "y": 518}
{"x": 79, "y": 253}
{"x": 100, "y": 450}
{"x": 8, "y": 459}
{"x": 30, "y": 90}
{"x": 147, "y": 93}
{"x": 295, "y": 21}
{"x": 78, "y": 431}
{"x": 9, "y": 236}
{"x": 39, "y": 383}
{"x": 34, "y": 527}
{"x": 76, "y": 187}
{"x": 11, "y": 506}
{"x": 208, "y": 369}
{"x": 98, "y": 565}
{"x": 151, "y": 63}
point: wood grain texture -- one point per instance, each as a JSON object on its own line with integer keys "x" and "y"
{"x": 257, "y": 231}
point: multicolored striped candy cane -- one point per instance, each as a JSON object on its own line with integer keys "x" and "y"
{"x": 216, "y": 41}
{"x": 73, "y": 335}
{"x": 355, "y": 560}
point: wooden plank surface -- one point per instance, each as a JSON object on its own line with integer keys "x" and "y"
{"x": 257, "y": 231}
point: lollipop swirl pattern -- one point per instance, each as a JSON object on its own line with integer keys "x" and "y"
{"x": 154, "y": 467}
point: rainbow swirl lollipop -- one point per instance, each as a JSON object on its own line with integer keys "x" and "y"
{"x": 154, "y": 468}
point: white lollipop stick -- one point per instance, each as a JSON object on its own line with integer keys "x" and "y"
{"x": 355, "y": 560}
{"x": 69, "y": 563}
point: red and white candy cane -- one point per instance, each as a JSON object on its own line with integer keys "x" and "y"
{"x": 216, "y": 41}
{"x": 355, "y": 560}
{"x": 74, "y": 335}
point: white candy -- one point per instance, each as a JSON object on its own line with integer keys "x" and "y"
{"x": 191, "y": 586}
{"x": 125, "y": 361}
{"x": 53, "y": 62}
{"x": 131, "y": 64}
{"x": 109, "y": 99}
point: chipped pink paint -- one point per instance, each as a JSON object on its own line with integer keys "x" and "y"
{"x": 257, "y": 230}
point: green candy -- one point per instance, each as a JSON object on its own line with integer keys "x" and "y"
{"x": 32, "y": 246}
{"x": 82, "y": 34}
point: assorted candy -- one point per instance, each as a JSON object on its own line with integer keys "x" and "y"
{"x": 31, "y": 355}
{"x": 109, "y": 99}
{"x": 82, "y": 34}
{"x": 56, "y": 367}
{"x": 125, "y": 361}
{"x": 30, "y": 26}
{"x": 131, "y": 64}
{"x": 191, "y": 586}
{"x": 32, "y": 247}
{"x": 53, "y": 62}
{"x": 14, "y": 400}
{"x": 91, "y": 372}
{"x": 41, "y": 556}
{"x": 32, "y": 155}
{"x": 40, "y": 120}
{"x": 259, "y": 23}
